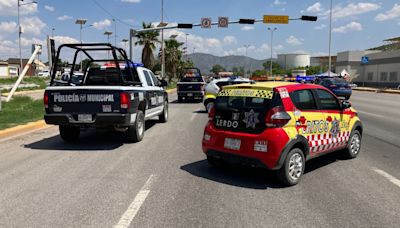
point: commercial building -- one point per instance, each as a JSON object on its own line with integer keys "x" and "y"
{"x": 10, "y": 68}
{"x": 371, "y": 68}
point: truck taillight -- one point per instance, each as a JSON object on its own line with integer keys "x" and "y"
{"x": 46, "y": 100}
{"x": 125, "y": 100}
{"x": 277, "y": 117}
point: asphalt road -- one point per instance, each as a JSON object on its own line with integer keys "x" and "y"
{"x": 165, "y": 181}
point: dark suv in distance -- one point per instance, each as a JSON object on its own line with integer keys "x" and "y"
{"x": 338, "y": 86}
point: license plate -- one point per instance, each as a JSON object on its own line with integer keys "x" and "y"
{"x": 84, "y": 118}
{"x": 190, "y": 94}
{"x": 233, "y": 144}
{"x": 106, "y": 108}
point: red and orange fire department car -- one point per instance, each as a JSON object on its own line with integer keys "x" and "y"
{"x": 279, "y": 126}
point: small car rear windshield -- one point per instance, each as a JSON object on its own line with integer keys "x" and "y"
{"x": 338, "y": 81}
{"x": 192, "y": 79}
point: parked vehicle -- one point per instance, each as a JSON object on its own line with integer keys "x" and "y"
{"x": 191, "y": 86}
{"x": 338, "y": 86}
{"x": 279, "y": 126}
{"x": 44, "y": 73}
{"x": 117, "y": 95}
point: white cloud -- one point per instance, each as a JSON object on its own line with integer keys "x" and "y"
{"x": 300, "y": 52}
{"x": 212, "y": 42}
{"x": 390, "y": 14}
{"x": 8, "y": 27}
{"x": 64, "y": 18}
{"x": 131, "y": 1}
{"x": 352, "y": 26}
{"x": 229, "y": 40}
{"x": 10, "y": 8}
{"x": 315, "y": 8}
{"x": 32, "y": 25}
{"x": 278, "y": 2}
{"x": 351, "y": 10}
{"x": 49, "y": 8}
{"x": 65, "y": 39}
{"x": 292, "y": 40}
{"x": 320, "y": 27}
{"x": 100, "y": 25}
{"x": 28, "y": 42}
{"x": 247, "y": 28}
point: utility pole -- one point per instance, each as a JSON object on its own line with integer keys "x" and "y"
{"x": 330, "y": 41}
{"x": 108, "y": 34}
{"x": 270, "y": 60}
{"x": 162, "y": 41}
{"x": 52, "y": 33}
{"x": 187, "y": 50}
{"x": 115, "y": 32}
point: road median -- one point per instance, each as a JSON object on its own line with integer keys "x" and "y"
{"x": 377, "y": 90}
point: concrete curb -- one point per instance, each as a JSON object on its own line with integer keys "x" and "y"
{"x": 33, "y": 126}
{"x": 368, "y": 89}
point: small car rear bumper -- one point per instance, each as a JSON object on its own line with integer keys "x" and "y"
{"x": 261, "y": 150}
{"x": 97, "y": 119}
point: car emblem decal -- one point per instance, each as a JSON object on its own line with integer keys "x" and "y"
{"x": 251, "y": 119}
{"x": 335, "y": 130}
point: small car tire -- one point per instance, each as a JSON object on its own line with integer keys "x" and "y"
{"x": 293, "y": 168}
{"x": 135, "y": 133}
{"x": 69, "y": 133}
{"x": 354, "y": 145}
{"x": 163, "y": 117}
{"x": 347, "y": 97}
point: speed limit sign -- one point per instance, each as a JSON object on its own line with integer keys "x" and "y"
{"x": 223, "y": 22}
{"x": 206, "y": 22}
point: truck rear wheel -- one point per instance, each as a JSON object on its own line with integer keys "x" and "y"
{"x": 163, "y": 117}
{"x": 135, "y": 133}
{"x": 69, "y": 133}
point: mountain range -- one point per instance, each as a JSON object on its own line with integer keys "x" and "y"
{"x": 206, "y": 61}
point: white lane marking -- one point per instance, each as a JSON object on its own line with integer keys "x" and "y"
{"x": 371, "y": 114}
{"x": 134, "y": 207}
{"x": 391, "y": 178}
{"x": 194, "y": 114}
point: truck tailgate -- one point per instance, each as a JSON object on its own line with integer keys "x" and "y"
{"x": 83, "y": 101}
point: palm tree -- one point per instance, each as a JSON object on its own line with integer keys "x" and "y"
{"x": 173, "y": 56}
{"x": 148, "y": 40}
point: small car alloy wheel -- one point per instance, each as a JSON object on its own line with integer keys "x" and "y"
{"x": 296, "y": 166}
{"x": 355, "y": 144}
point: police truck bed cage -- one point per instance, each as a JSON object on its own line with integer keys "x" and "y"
{"x": 121, "y": 66}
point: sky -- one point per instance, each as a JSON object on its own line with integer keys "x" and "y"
{"x": 356, "y": 25}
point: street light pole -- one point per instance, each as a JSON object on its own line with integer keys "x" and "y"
{"x": 272, "y": 37}
{"x": 187, "y": 50}
{"x": 52, "y": 32}
{"x": 80, "y": 22}
{"x": 246, "y": 46}
{"x": 20, "y": 31}
{"x": 330, "y": 41}
{"x": 162, "y": 42}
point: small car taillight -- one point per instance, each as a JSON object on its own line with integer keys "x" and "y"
{"x": 46, "y": 100}
{"x": 211, "y": 113}
{"x": 125, "y": 100}
{"x": 277, "y": 117}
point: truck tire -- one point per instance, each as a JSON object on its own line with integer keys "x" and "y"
{"x": 135, "y": 133}
{"x": 293, "y": 168}
{"x": 354, "y": 145}
{"x": 163, "y": 117}
{"x": 69, "y": 133}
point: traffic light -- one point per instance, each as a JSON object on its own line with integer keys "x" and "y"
{"x": 185, "y": 26}
{"x": 309, "y": 18}
{"x": 246, "y": 21}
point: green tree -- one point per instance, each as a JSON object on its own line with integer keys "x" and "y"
{"x": 217, "y": 68}
{"x": 148, "y": 40}
{"x": 173, "y": 57}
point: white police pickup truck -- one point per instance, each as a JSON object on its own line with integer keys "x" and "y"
{"x": 118, "y": 95}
